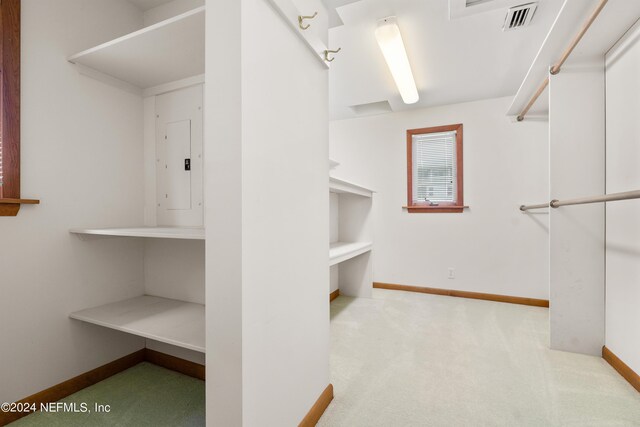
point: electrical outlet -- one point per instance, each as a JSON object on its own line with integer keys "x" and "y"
{"x": 452, "y": 273}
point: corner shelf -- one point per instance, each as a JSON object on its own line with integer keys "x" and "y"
{"x": 168, "y": 51}
{"x": 165, "y": 320}
{"x": 342, "y": 251}
{"x": 185, "y": 233}
{"x": 345, "y": 187}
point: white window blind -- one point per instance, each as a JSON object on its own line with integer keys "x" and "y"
{"x": 434, "y": 168}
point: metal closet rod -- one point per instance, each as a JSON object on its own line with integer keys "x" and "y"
{"x": 625, "y": 195}
{"x": 540, "y": 206}
{"x": 555, "y": 69}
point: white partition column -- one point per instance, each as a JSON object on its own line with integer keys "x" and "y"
{"x": 577, "y": 168}
{"x": 267, "y": 228}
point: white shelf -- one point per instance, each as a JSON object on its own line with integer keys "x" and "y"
{"x": 344, "y": 187}
{"x": 169, "y": 321}
{"x": 342, "y": 251}
{"x": 333, "y": 164}
{"x": 186, "y": 233}
{"x": 164, "y": 52}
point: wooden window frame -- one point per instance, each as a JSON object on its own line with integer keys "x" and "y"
{"x": 449, "y": 207}
{"x": 10, "y": 200}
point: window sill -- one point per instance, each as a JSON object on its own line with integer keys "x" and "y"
{"x": 11, "y": 207}
{"x": 435, "y": 209}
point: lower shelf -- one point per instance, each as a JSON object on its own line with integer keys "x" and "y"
{"x": 342, "y": 251}
{"x": 165, "y": 320}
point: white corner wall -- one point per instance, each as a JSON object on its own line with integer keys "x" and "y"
{"x": 577, "y": 169}
{"x": 267, "y": 219}
{"x": 75, "y": 133}
{"x": 623, "y": 218}
{"x": 493, "y": 247}
{"x": 169, "y": 10}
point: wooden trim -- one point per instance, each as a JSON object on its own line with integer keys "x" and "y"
{"x": 464, "y": 294}
{"x": 623, "y": 369}
{"x": 19, "y": 201}
{"x": 66, "y": 388}
{"x": 456, "y": 207}
{"x": 333, "y": 295}
{"x": 11, "y": 207}
{"x": 318, "y": 408}
{"x": 10, "y": 58}
{"x": 173, "y": 363}
{"x": 436, "y": 209}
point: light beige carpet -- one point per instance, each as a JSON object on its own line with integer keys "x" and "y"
{"x": 407, "y": 359}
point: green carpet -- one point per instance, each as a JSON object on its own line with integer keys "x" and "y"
{"x": 145, "y": 395}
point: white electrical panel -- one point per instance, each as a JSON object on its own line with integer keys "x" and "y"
{"x": 177, "y": 167}
{"x": 179, "y": 158}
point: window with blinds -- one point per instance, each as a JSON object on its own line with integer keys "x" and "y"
{"x": 435, "y": 169}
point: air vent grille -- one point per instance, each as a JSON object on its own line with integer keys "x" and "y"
{"x": 519, "y": 16}
{"x": 475, "y": 2}
{"x": 372, "y": 108}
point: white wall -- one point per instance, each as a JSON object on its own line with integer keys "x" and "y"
{"x": 169, "y": 10}
{"x": 175, "y": 269}
{"x": 267, "y": 233}
{"x": 492, "y": 246}
{"x": 623, "y": 218}
{"x": 82, "y": 156}
{"x": 577, "y": 148}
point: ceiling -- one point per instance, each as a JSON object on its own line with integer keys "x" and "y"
{"x": 463, "y": 58}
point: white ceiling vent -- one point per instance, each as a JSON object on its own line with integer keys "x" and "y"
{"x": 372, "y": 108}
{"x": 475, "y": 2}
{"x": 519, "y": 16}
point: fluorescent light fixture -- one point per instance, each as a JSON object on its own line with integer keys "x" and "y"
{"x": 390, "y": 41}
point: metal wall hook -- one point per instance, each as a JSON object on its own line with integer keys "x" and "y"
{"x": 301, "y": 19}
{"x": 327, "y": 52}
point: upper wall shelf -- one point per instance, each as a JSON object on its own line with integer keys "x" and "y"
{"x": 165, "y": 52}
{"x": 344, "y": 187}
{"x": 608, "y": 27}
{"x": 169, "y": 321}
{"x": 186, "y": 233}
